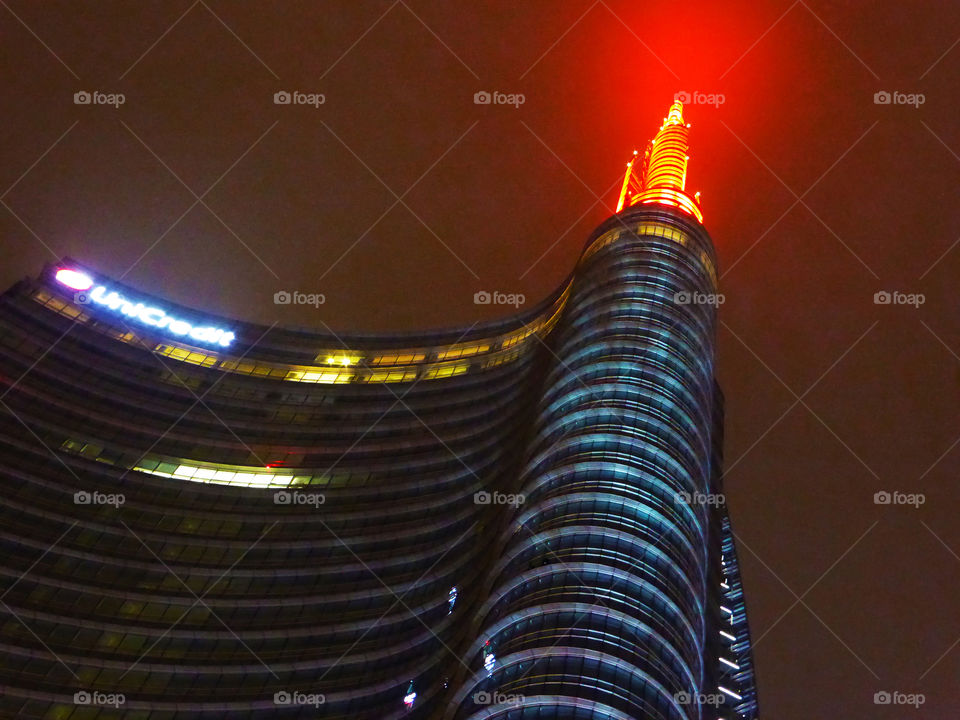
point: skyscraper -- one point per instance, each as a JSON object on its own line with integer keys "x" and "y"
{"x": 205, "y": 518}
{"x": 615, "y": 592}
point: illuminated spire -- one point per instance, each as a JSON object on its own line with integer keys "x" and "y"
{"x": 662, "y": 176}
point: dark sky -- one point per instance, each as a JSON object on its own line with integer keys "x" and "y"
{"x": 816, "y": 198}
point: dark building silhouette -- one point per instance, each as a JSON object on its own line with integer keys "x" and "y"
{"x": 205, "y": 518}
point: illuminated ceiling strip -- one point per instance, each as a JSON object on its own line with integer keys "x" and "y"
{"x": 247, "y": 477}
{"x": 731, "y": 693}
{"x": 193, "y": 471}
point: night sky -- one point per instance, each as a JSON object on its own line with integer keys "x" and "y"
{"x": 398, "y": 198}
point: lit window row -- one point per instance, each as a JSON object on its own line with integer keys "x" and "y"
{"x": 500, "y": 359}
{"x": 338, "y": 357}
{"x": 404, "y": 359}
{"x": 58, "y": 305}
{"x": 462, "y": 351}
{"x": 196, "y": 473}
{"x": 663, "y": 230}
{"x": 601, "y": 242}
{"x": 520, "y": 337}
{"x": 332, "y": 377}
{"x": 389, "y": 376}
{"x": 184, "y": 355}
{"x": 448, "y": 370}
{"x": 654, "y": 230}
{"x": 338, "y": 366}
{"x": 246, "y": 476}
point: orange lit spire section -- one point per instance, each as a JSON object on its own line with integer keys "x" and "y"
{"x": 661, "y": 177}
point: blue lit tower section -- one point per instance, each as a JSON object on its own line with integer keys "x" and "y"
{"x": 617, "y": 594}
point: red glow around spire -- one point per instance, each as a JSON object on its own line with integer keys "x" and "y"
{"x": 662, "y": 177}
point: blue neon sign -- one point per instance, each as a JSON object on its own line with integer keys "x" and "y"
{"x": 149, "y": 315}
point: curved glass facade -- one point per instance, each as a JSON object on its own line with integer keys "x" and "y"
{"x": 608, "y": 588}
{"x": 206, "y": 543}
{"x": 204, "y": 518}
